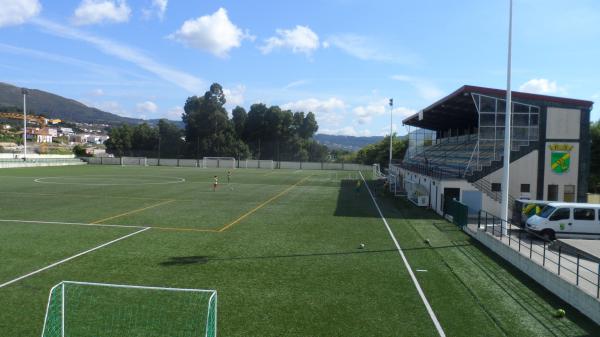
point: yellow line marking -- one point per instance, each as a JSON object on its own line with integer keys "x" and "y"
{"x": 134, "y": 211}
{"x": 182, "y": 229}
{"x": 263, "y": 204}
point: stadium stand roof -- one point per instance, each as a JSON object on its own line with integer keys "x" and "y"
{"x": 457, "y": 110}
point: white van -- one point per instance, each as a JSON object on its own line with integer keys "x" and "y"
{"x": 566, "y": 219}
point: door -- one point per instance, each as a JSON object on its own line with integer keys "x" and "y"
{"x": 560, "y": 221}
{"x": 449, "y": 194}
{"x": 584, "y": 221}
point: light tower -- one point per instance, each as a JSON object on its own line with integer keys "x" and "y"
{"x": 25, "y": 92}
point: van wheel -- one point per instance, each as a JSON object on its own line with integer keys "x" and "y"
{"x": 548, "y": 234}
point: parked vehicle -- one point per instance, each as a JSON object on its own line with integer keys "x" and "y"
{"x": 525, "y": 209}
{"x": 566, "y": 220}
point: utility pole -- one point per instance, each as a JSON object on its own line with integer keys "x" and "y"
{"x": 24, "y": 91}
{"x": 391, "y": 130}
{"x": 507, "y": 126}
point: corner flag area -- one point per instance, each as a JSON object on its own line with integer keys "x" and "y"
{"x": 289, "y": 253}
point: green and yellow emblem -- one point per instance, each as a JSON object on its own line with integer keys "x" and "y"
{"x": 560, "y": 157}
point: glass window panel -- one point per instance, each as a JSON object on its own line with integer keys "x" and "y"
{"x": 520, "y": 120}
{"x": 486, "y": 132}
{"x": 584, "y": 214}
{"x": 501, "y": 105}
{"x": 486, "y": 119}
{"x": 534, "y": 119}
{"x": 488, "y": 104}
{"x": 500, "y": 119}
{"x": 520, "y": 108}
{"x": 520, "y": 133}
{"x": 534, "y": 109}
{"x": 534, "y": 133}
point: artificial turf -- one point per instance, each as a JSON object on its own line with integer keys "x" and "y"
{"x": 281, "y": 247}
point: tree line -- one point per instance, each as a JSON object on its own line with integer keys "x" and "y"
{"x": 262, "y": 132}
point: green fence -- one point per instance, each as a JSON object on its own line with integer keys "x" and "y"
{"x": 458, "y": 211}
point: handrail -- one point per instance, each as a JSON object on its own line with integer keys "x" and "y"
{"x": 503, "y": 229}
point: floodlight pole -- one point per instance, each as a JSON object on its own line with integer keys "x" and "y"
{"x": 391, "y": 134}
{"x": 507, "y": 126}
{"x": 24, "y": 91}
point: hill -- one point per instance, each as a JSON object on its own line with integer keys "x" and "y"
{"x": 350, "y": 143}
{"x": 54, "y": 106}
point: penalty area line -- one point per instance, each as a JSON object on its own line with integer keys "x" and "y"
{"x": 72, "y": 257}
{"x": 432, "y": 315}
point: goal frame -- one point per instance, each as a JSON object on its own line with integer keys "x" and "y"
{"x": 219, "y": 159}
{"x": 62, "y": 294}
{"x": 142, "y": 161}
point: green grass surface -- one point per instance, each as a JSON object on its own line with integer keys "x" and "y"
{"x": 280, "y": 247}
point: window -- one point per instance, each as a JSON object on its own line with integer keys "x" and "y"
{"x": 546, "y": 211}
{"x": 584, "y": 214}
{"x": 553, "y": 192}
{"x": 525, "y": 188}
{"x": 569, "y": 193}
{"x": 496, "y": 187}
{"x": 561, "y": 214}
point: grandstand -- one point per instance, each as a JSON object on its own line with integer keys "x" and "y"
{"x": 456, "y": 148}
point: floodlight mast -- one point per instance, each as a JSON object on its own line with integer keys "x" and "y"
{"x": 391, "y": 134}
{"x": 507, "y": 126}
{"x": 24, "y": 91}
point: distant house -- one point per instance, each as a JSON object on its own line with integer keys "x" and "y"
{"x": 66, "y": 131}
{"x": 39, "y": 135}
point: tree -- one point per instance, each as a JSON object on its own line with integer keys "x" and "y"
{"x": 169, "y": 136}
{"x": 120, "y": 140}
{"x": 379, "y": 152}
{"x": 80, "y": 151}
{"x": 208, "y": 130}
{"x": 239, "y": 116}
{"x": 308, "y": 127}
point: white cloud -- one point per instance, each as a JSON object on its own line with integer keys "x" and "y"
{"x": 541, "y": 86}
{"x": 146, "y": 107}
{"x": 100, "y": 11}
{"x": 300, "y": 39}
{"x": 97, "y": 92}
{"x": 366, "y": 49}
{"x": 295, "y": 84}
{"x": 365, "y": 113}
{"x": 175, "y": 113}
{"x": 425, "y": 89}
{"x": 214, "y": 33}
{"x": 346, "y": 131}
{"x": 124, "y": 52}
{"x": 108, "y": 106}
{"x": 16, "y": 12}
{"x": 234, "y": 96}
{"x": 328, "y": 112}
{"x": 157, "y": 7}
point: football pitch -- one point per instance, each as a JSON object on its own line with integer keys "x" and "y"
{"x": 281, "y": 248}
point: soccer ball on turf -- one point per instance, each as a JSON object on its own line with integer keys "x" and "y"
{"x": 361, "y": 246}
{"x": 560, "y": 313}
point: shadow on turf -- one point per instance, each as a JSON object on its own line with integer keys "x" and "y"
{"x": 356, "y": 202}
{"x": 185, "y": 260}
{"x": 527, "y": 303}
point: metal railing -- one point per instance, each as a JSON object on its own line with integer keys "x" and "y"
{"x": 584, "y": 273}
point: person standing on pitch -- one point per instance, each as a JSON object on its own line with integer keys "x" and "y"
{"x": 228, "y": 176}
{"x": 215, "y": 183}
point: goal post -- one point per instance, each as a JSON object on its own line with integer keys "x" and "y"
{"x": 86, "y": 309}
{"x": 134, "y": 161}
{"x": 218, "y": 162}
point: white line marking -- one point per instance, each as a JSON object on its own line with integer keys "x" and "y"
{"x": 437, "y": 324}
{"x": 70, "y": 223}
{"x": 72, "y": 257}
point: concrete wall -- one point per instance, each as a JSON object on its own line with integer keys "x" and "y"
{"x": 522, "y": 171}
{"x": 35, "y": 156}
{"x": 563, "y": 123}
{"x": 38, "y": 164}
{"x": 568, "y": 292}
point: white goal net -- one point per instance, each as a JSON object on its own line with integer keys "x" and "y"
{"x": 218, "y": 162}
{"x": 135, "y": 161}
{"x": 84, "y": 309}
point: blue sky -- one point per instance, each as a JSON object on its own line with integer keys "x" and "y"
{"x": 342, "y": 59}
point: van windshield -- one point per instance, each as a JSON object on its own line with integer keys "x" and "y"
{"x": 545, "y": 213}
